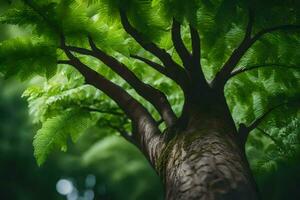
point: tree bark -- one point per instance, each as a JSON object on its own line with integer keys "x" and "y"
{"x": 206, "y": 162}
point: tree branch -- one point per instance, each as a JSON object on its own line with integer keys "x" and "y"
{"x": 225, "y": 72}
{"x": 175, "y": 71}
{"x": 151, "y": 94}
{"x": 191, "y": 62}
{"x": 275, "y": 141}
{"x": 274, "y": 28}
{"x": 63, "y": 62}
{"x": 145, "y": 129}
{"x": 121, "y": 130}
{"x": 132, "y": 108}
{"x": 154, "y": 96}
{"x": 110, "y": 112}
{"x": 196, "y": 68}
{"x": 128, "y": 137}
{"x": 180, "y": 48}
{"x": 265, "y": 65}
{"x": 122, "y": 98}
{"x": 159, "y": 122}
{"x": 152, "y": 64}
{"x": 243, "y": 130}
{"x": 257, "y": 121}
{"x": 237, "y": 54}
{"x": 196, "y": 45}
{"x": 123, "y": 133}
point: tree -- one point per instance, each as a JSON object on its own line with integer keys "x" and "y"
{"x": 222, "y": 61}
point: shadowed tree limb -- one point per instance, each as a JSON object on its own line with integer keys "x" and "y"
{"x": 109, "y": 112}
{"x": 161, "y": 69}
{"x": 285, "y": 27}
{"x": 225, "y": 72}
{"x": 151, "y": 94}
{"x": 244, "y": 130}
{"x": 63, "y": 62}
{"x": 196, "y": 69}
{"x": 221, "y": 77}
{"x": 175, "y": 71}
{"x": 127, "y": 136}
{"x": 154, "y": 96}
{"x": 145, "y": 128}
{"x": 278, "y": 143}
{"x": 122, "y": 98}
{"x": 122, "y": 132}
{"x": 159, "y": 122}
{"x": 191, "y": 61}
{"x": 260, "y": 66}
{"x": 91, "y": 75}
{"x": 119, "y": 129}
{"x": 267, "y": 135}
{"x": 179, "y": 45}
{"x": 196, "y": 45}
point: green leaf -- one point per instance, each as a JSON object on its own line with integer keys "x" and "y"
{"x": 55, "y": 132}
{"x": 25, "y": 58}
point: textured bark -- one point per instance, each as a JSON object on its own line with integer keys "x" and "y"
{"x": 206, "y": 162}
{"x": 207, "y": 167}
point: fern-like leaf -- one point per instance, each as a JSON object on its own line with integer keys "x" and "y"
{"x": 55, "y": 132}
{"x": 25, "y": 58}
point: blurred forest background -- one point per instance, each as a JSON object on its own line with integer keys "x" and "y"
{"x": 99, "y": 166}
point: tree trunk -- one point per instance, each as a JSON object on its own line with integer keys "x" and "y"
{"x": 206, "y": 162}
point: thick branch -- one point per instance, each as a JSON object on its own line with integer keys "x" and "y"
{"x": 122, "y": 98}
{"x": 145, "y": 129}
{"x": 180, "y": 48}
{"x": 230, "y": 64}
{"x": 191, "y": 62}
{"x": 265, "y": 65}
{"x": 223, "y": 75}
{"x": 196, "y": 68}
{"x": 175, "y": 71}
{"x": 196, "y": 45}
{"x": 154, "y": 96}
{"x": 131, "y": 107}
